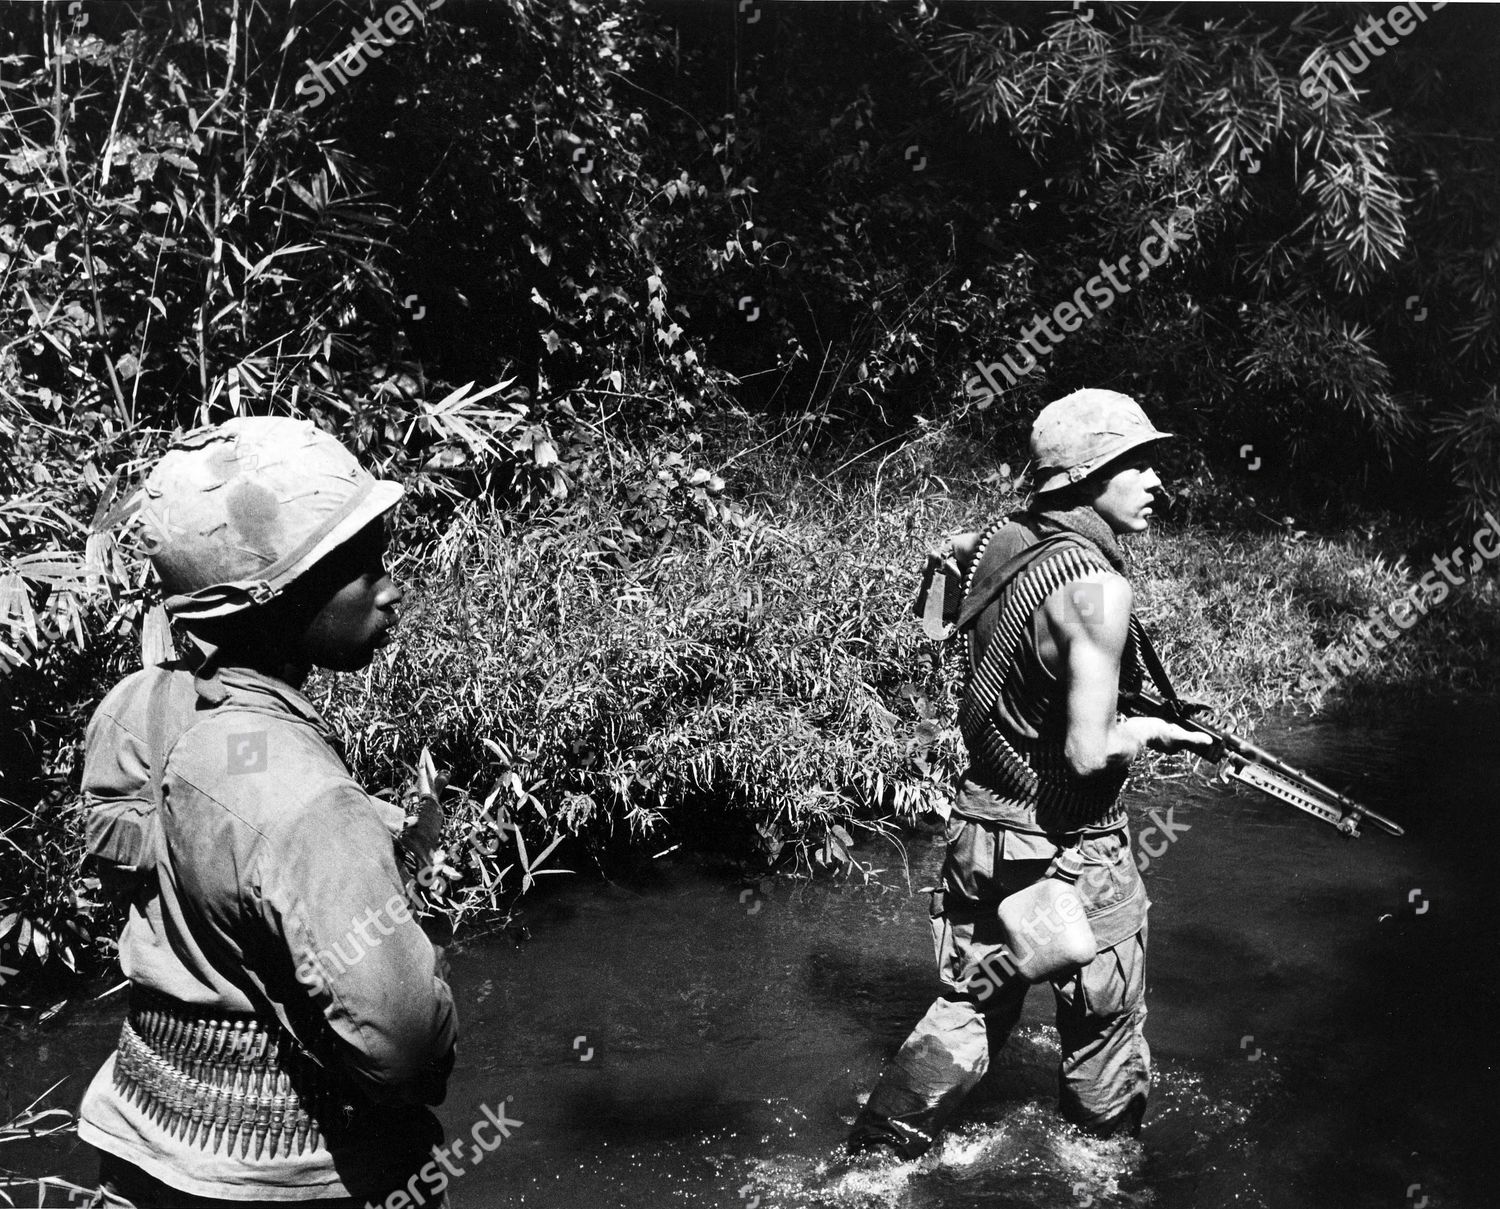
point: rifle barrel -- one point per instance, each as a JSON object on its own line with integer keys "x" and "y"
{"x": 1250, "y": 751}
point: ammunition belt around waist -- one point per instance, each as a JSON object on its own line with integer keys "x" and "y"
{"x": 229, "y": 1082}
{"x": 1034, "y": 790}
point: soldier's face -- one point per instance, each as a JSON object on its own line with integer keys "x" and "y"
{"x": 359, "y": 604}
{"x": 1125, "y": 499}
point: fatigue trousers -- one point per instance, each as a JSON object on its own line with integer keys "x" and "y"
{"x": 1105, "y": 1073}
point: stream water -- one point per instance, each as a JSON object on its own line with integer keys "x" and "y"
{"x": 1322, "y": 1020}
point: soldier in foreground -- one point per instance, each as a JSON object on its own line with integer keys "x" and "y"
{"x": 287, "y": 1024}
{"x": 1049, "y": 647}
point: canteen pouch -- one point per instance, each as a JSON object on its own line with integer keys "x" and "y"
{"x": 1047, "y": 932}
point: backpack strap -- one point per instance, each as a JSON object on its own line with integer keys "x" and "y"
{"x": 156, "y": 740}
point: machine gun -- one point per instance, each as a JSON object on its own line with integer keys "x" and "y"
{"x": 1241, "y": 760}
{"x": 1255, "y": 766}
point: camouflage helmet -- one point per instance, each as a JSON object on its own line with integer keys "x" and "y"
{"x": 234, "y": 513}
{"x": 1074, "y": 436}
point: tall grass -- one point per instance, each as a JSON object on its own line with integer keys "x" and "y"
{"x": 661, "y": 660}
{"x": 1240, "y": 616}
{"x": 757, "y": 687}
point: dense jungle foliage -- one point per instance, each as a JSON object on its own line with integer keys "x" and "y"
{"x": 669, "y": 317}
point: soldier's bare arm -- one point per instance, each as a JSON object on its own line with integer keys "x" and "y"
{"x": 1088, "y": 624}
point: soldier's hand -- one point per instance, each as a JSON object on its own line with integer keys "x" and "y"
{"x": 1170, "y": 737}
{"x": 424, "y": 811}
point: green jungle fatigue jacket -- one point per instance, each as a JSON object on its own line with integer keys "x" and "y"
{"x": 268, "y": 883}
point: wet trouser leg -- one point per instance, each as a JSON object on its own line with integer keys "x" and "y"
{"x": 1105, "y": 1074}
{"x": 949, "y": 1050}
{"x": 937, "y": 1066}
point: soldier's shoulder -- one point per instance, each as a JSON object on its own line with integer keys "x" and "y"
{"x": 130, "y": 693}
{"x": 133, "y": 700}
{"x": 265, "y": 766}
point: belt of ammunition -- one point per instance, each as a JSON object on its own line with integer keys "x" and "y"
{"x": 230, "y": 1083}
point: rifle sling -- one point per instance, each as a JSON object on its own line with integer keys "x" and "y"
{"x": 1151, "y": 661}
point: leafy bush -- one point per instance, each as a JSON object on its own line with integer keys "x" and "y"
{"x": 756, "y": 684}
{"x": 758, "y": 687}
{"x": 1241, "y": 617}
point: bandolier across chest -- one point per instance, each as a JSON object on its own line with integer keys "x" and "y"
{"x": 1028, "y": 777}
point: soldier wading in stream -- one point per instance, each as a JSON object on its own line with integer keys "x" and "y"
{"x": 1049, "y": 648}
{"x": 287, "y": 1024}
